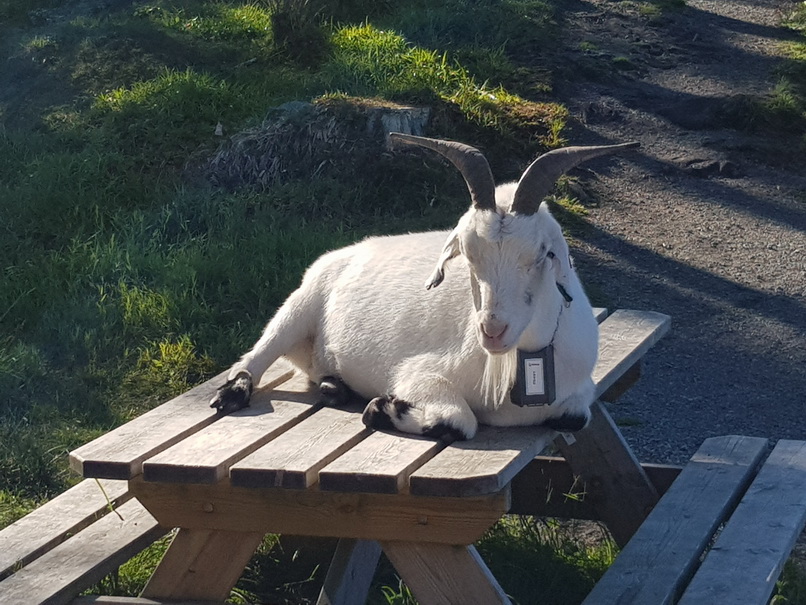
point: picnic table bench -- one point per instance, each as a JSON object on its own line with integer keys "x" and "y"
{"x": 285, "y": 465}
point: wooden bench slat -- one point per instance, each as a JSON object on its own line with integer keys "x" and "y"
{"x": 486, "y": 463}
{"x": 205, "y": 457}
{"x": 293, "y": 459}
{"x": 624, "y": 338}
{"x": 50, "y": 524}
{"x": 119, "y": 454}
{"x": 600, "y": 314}
{"x": 57, "y": 576}
{"x": 483, "y": 465}
{"x": 663, "y": 553}
{"x": 748, "y": 556}
{"x": 380, "y": 464}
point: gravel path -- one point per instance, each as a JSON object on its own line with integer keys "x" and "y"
{"x": 704, "y": 223}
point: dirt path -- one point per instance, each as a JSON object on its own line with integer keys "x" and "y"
{"x": 704, "y": 223}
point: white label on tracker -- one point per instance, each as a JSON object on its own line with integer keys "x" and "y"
{"x": 535, "y": 376}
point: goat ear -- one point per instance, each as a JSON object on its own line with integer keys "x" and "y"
{"x": 560, "y": 256}
{"x": 562, "y": 267}
{"x": 449, "y": 251}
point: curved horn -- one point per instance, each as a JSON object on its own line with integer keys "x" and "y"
{"x": 539, "y": 178}
{"x": 469, "y": 160}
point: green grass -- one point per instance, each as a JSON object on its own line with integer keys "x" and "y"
{"x": 654, "y": 10}
{"x": 373, "y": 62}
{"x": 791, "y": 587}
{"x": 216, "y": 21}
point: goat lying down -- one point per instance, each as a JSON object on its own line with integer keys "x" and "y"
{"x": 435, "y": 349}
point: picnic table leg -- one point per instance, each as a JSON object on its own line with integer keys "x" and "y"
{"x": 615, "y": 482}
{"x": 440, "y": 574}
{"x": 202, "y": 564}
{"x": 350, "y": 575}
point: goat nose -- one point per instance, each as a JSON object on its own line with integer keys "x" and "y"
{"x": 493, "y": 328}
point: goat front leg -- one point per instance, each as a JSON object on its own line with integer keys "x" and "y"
{"x": 574, "y": 413}
{"x": 423, "y": 404}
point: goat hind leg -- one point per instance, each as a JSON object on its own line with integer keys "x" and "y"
{"x": 285, "y": 332}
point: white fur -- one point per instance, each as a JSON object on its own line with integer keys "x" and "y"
{"x": 363, "y": 314}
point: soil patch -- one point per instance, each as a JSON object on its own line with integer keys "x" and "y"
{"x": 705, "y": 222}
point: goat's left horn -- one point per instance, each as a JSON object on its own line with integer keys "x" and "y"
{"x": 468, "y": 160}
{"x": 539, "y": 178}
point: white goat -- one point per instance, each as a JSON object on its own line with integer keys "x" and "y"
{"x": 435, "y": 361}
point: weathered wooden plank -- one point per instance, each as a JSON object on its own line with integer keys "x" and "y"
{"x": 380, "y": 464}
{"x": 615, "y": 482}
{"x": 624, "y": 338}
{"x": 51, "y": 524}
{"x": 482, "y": 465}
{"x": 495, "y": 455}
{"x": 119, "y": 454}
{"x": 445, "y": 574}
{"x": 293, "y": 459}
{"x": 747, "y": 558}
{"x": 350, "y": 573}
{"x": 315, "y": 513}
{"x": 205, "y": 457}
{"x": 660, "y": 558}
{"x": 202, "y": 564}
{"x": 59, "y": 575}
{"x": 600, "y": 314}
{"x": 547, "y": 487}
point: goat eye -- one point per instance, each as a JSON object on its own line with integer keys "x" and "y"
{"x": 550, "y": 254}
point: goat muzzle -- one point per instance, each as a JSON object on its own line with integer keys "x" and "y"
{"x": 492, "y": 334}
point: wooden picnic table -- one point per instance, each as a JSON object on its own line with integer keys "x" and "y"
{"x": 286, "y": 465}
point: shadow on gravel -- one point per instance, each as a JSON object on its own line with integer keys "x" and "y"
{"x": 669, "y": 284}
{"x": 732, "y": 363}
{"x": 724, "y": 194}
{"x": 697, "y": 286}
{"x": 713, "y": 23}
{"x": 716, "y": 191}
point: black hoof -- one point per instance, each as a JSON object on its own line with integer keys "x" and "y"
{"x": 444, "y": 432}
{"x": 567, "y": 423}
{"x": 334, "y": 392}
{"x": 234, "y": 394}
{"x": 378, "y": 413}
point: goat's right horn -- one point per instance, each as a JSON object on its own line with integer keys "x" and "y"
{"x": 539, "y": 178}
{"x": 469, "y": 160}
